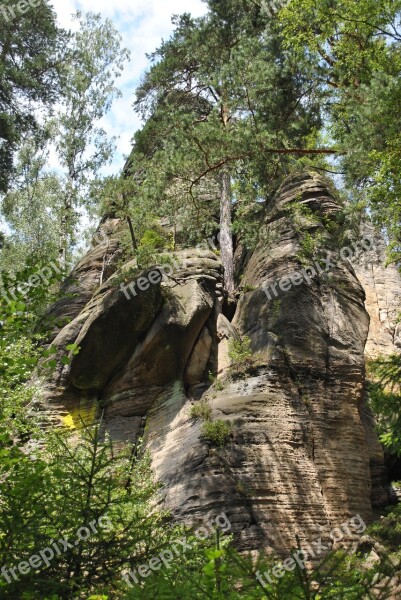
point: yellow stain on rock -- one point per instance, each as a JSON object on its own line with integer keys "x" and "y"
{"x": 84, "y": 415}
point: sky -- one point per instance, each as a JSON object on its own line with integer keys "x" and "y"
{"x": 142, "y": 25}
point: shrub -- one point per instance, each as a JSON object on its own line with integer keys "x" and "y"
{"x": 310, "y": 246}
{"x": 201, "y": 410}
{"x": 151, "y": 244}
{"x": 217, "y": 432}
{"x": 67, "y": 486}
{"x": 388, "y": 530}
{"x": 218, "y": 571}
{"x": 240, "y": 353}
{"x": 154, "y": 240}
{"x": 385, "y": 400}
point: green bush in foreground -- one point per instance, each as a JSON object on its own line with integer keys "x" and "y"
{"x": 64, "y": 486}
{"x": 216, "y": 571}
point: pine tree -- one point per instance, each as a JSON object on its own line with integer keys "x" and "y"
{"x": 227, "y": 100}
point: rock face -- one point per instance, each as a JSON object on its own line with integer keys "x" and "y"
{"x": 302, "y": 456}
{"x": 90, "y": 273}
{"x": 382, "y": 286}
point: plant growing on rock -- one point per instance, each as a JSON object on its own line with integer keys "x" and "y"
{"x": 240, "y": 353}
{"x": 201, "y": 410}
{"x": 248, "y": 288}
{"x": 217, "y": 432}
{"x": 276, "y": 308}
{"x": 219, "y": 385}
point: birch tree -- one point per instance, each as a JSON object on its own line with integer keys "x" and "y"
{"x": 95, "y": 60}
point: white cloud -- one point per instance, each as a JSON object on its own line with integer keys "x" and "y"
{"x": 142, "y": 26}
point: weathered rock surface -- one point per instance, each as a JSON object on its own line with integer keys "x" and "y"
{"x": 302, "y": 457}
{"x": 298, "y": 460}
{"x": 382, "y": 286}
{"x": 90, "y": 273}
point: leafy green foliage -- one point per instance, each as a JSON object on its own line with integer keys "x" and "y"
{"x": 232, "y": 97}
{"x": 41, "y": 207}
{"x": 310, "y": 246}
{"x": 309, "y": 230}
{"x": 21, "y": 307}
{"x": 152, "y": 243}
{"x": 387, "y": 530}
{"x": 32, "y": 208}
{"x": 85, "y": 481}
{"x": 217, "y": 432}
{"x": 217, "y": 571}
{"x": 60, "y": 483}
{"x": 355, "y": 47}
{"x": 241, "y": 355}
{"x": 94, "y": 60}
{"x": 211, "y": 127}
{"x": 17, "y": 359}
{"x": 385, "y": 400}
{"x": 388, "y": 370}
{"x": 27, "y": 290}
{"x": 276, "y": 308}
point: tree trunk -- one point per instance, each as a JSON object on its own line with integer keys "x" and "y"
{"x": 131, "y": 229}
{"x": 226, "y": 239}
{"x": 64, "y": 232}
{"x": 66, "y": 221}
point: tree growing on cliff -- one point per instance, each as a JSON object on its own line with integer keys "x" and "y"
{"x": 231, "y": 103}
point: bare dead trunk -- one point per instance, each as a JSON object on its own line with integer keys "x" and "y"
{"x": 226, "y": 238}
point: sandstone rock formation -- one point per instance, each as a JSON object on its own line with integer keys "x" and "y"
{"x": 382, "y": 286}
{"x": 302, "y": 456}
